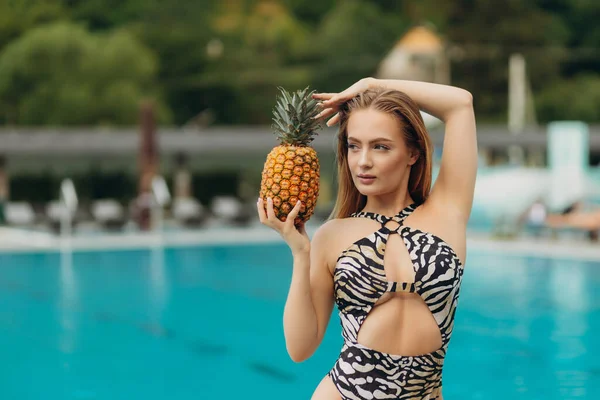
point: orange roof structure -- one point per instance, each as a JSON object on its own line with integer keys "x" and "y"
{"x": 420, "y": 39}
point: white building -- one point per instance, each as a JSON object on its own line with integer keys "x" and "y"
{"x": 419, "y": 55}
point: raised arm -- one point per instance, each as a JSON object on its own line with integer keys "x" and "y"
{"x": 455, "y": 184}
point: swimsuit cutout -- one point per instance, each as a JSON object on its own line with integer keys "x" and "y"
{"x": 361, "y": 373}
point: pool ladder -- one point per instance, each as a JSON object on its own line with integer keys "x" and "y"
{"x": 69, "y": 202}
{"x": 162, "y": 197}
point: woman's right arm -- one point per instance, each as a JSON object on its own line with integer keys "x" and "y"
{"x": 310, "y": 299}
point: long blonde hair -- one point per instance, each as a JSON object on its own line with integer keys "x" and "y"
{"x": 406, "y": 111}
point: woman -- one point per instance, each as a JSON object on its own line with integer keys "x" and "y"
{"x": 575, "y": 217}
{"x": 392, "y": 257}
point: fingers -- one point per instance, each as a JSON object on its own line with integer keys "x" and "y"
{"x": 261, "y": 211}
{"x": 262, "y": 214}
{"x": 270, "y": 212}
{"x": 329, "y": 100}
{"x": 323, "y": 96}
{"x": 325, "y": 113}
{"x": 339, "y": 98}
{"x": 330, "y": 104}
{"x": 334, "y": 120}
{"x": 267, "y": 217}
{"x": 291, "y": 218}
{"x": 294, "y": 213}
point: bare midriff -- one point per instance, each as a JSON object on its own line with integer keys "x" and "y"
{"x": 400, "y": 324}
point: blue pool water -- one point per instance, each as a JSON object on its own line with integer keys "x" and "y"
{"x": 206, "y": 323}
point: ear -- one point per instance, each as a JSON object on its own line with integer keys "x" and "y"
{"x": 414, "y": 156}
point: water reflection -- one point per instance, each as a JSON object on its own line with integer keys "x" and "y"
{"x": 68, "y": 300}
{"x": 568, "y": 286}
{"x": 158, "y": 283}
{"x": 532, "y": 320}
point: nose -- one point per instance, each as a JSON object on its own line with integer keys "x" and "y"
{"x": 365, "y": 160}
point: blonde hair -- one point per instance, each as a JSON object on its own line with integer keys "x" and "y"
{"x": 406, "y": 111}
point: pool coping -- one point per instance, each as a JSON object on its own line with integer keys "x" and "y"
{"x": 14, "y": 240}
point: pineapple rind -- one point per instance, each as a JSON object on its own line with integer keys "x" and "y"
{"x": 293, "y": 184}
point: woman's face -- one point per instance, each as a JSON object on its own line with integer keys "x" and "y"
{"x": 378, "y": 157}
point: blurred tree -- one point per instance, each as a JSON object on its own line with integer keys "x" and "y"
{"x": 179, "y": 32}
{"x": 60, "y": 74}
{"x": 18, "y": 16}
{"x": 484, "y": 35}
{"x": 255, "y": 47}
{"x": 107, "y": 14}
{"x": 221, "y": 60}
{"x": 309, "y": 12}
{"x": 351, "y": 42}
{"x": 582, "y": 17}
{"x": 577, "y": 98}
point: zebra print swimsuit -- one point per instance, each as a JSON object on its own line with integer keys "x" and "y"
{"x": 361, "y": 373}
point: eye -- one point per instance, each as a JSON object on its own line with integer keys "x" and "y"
{"x": 381, "y": 147}
{"x": 351, "y": 146}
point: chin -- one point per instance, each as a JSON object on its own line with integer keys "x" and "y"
{"x": 368, "y": 191}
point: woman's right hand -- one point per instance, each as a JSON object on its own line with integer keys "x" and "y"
{"x": 296, "y": 238}
{"x": 331, "y": 102}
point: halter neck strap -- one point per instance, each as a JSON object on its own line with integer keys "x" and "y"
{"x": 382, "y": 219}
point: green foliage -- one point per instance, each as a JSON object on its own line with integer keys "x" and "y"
{"x": 107, "y": 14}
{"x": 351, "y": 42}
{"x": 578, "y": 99}
{"x": 582, "y": 18}
{"x": 178, "y": 35}
{"x": 222, "y": 60}
{"x": 60, "y": 74}
{"x": 263, "y": 46}
{"x": 19, "y": 16}
{"x": 488, "y": 33}
{"x": 309, "y": 12}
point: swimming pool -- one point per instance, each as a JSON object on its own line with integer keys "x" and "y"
{"x": 205, "y": 322}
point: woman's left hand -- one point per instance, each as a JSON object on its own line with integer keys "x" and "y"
{"x": 331, "y": 102}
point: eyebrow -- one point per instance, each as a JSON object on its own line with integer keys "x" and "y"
{"x": 350, "y": 138}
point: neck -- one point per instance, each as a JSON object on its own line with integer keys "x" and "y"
{"x": 388, "y": 205}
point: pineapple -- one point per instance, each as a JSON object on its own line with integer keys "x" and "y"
{"x": 291, "y": 171}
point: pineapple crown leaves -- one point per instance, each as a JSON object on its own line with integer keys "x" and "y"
{"x": 294, "y": 117}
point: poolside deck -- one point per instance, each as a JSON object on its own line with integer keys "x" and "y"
{"x": 21, "y": 240}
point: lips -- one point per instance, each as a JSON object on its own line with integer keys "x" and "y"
{"x": 365, "y": 179}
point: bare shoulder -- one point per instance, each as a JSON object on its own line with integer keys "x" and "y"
{"x": 326, "y": 230}
{"x": 322, "y": 238}
{"x": 326, "y": 234}
{"x": 333, "y": 229}
{"x": 328, "y": 238}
